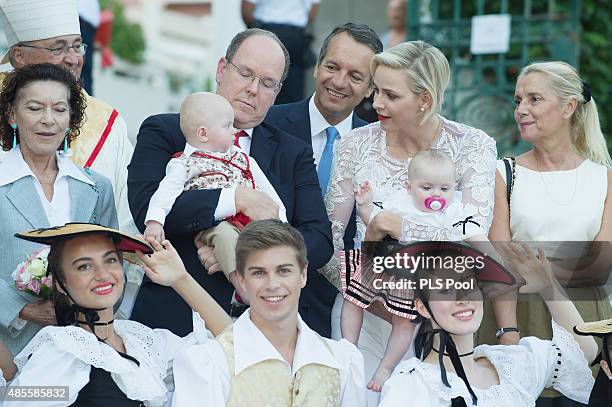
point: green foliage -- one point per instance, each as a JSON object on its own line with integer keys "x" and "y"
{"x": 128, "y": 41}
{"x": 596, "y": 57}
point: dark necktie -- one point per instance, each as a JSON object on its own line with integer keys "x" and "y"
{"x": 241, "y": 133}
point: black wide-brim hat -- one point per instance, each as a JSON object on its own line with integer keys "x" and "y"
{"x": 490, "y": 271}
{"x": 125, "y": 242}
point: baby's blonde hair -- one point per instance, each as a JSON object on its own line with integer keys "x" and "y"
{"x": 203, "y": 109}
{"x": 429, "y": 157}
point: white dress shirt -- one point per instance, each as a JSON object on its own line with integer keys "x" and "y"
{"x": 177, "y": 174}
{"x": 291, "y": 12}
{"x": 318, "y": 124}
{"x": 202, "y": 377}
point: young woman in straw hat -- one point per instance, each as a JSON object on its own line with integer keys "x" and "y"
{"x": 99, "y": 360}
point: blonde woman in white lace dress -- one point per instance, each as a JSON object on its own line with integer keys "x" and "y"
{"x": 410, "y": 80}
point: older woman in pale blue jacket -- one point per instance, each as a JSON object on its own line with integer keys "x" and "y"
{"x": 41, "y": 110}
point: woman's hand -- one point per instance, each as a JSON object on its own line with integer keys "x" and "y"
{"x": 163, "y": 266}
{"x": 536, "y": 270}
{"x": 384, "y": 224}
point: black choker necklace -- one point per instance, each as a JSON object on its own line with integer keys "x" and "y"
{"x": 446, "y": 354}
{"x": 97, "y": 323}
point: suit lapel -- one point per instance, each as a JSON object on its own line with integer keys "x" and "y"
{"x": 263, "y": 147}
{"x": 357, "y": 121}
{"x": 83, "y": 199}
{"x": 24, "y": 197}
{"x": 299, "y": 120}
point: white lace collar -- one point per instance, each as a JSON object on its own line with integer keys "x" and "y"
{"x": 430, "y": 376}
{"x": 144, "y": 382}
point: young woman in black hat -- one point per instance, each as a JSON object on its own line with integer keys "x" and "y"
{"x": 452, "y": 372}
{"x": 102, "y": 361}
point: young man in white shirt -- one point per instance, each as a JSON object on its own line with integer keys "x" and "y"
{"x": 270, "y": 356}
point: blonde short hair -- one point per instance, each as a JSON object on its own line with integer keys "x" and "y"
{"x": 425, "y": 66}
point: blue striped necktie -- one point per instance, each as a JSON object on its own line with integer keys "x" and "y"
{"x": 325, "y": 163}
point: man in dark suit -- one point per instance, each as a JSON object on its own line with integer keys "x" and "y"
{"x": 249, "y": 77}
{"x": 342, "y": 81}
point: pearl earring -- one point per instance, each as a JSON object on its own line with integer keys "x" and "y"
{"x": 422, "y": 109}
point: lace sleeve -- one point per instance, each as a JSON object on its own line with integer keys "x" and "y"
{"x": 558, "y": 364}
{"x": 339, "y": 203}
{"x": 477, "y": 183}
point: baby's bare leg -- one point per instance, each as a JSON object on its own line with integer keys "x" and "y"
{"x": 351, "y": 320}
{"x": 397, "y": 346}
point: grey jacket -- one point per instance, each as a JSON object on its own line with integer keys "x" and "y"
{"x": 21, "y": 210}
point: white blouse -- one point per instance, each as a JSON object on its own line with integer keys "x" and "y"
{"x": 202, "y": 377}
{"x": 362, "y": 156}
{"x": 524, "y": 370}
{"x": 63, "y": 356}
{"x": 2, "y": 380}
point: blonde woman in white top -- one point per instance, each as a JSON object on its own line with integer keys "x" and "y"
{"x": 560, "y": 191}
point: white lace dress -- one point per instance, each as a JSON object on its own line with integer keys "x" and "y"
{"x": 63, "y": 356}
{"x": 524, "y": 370}
{"x": 362, "y": 155}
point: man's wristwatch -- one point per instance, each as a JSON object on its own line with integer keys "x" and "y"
{"x": 504, "y": 330}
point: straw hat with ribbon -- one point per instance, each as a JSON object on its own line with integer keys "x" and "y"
{"x": 602, "y": 329}
{"x": 53, "y": 235}
{"x": 33, "y": 20}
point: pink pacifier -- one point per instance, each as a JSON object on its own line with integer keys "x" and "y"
{"x": 435, "y": 203}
